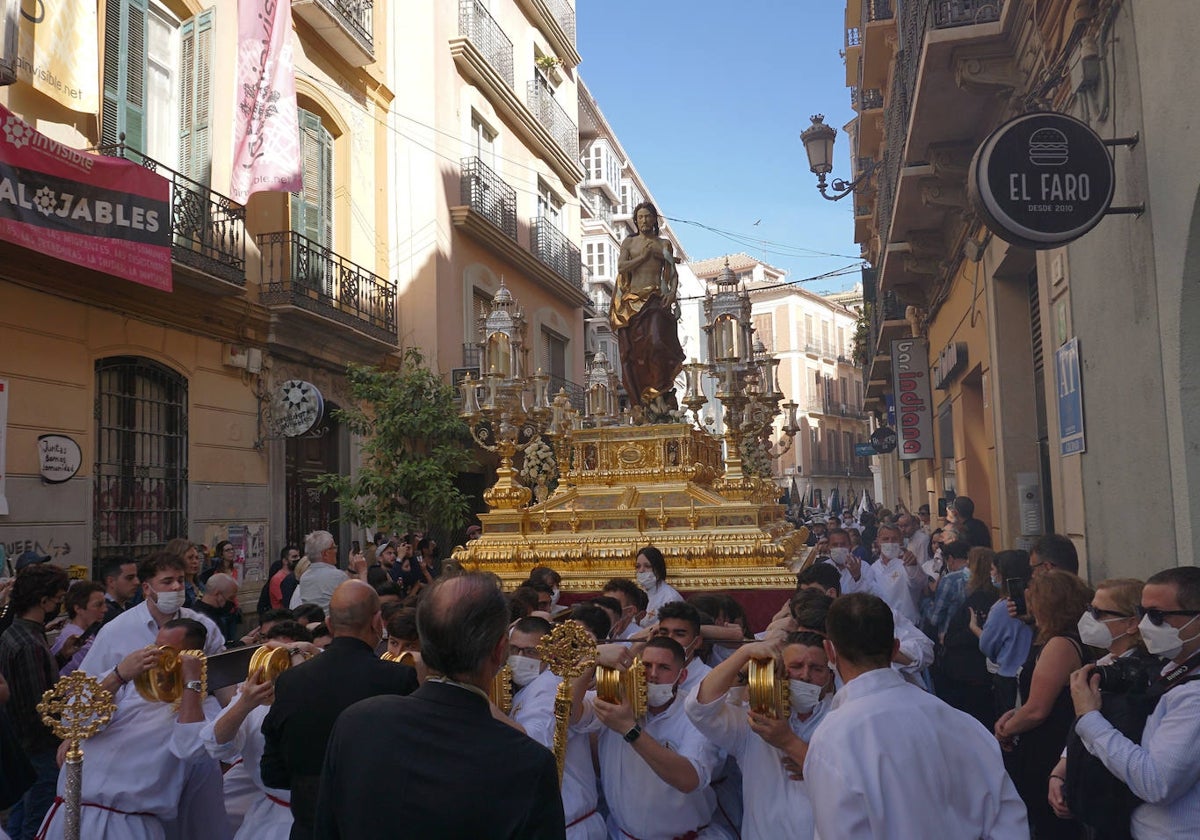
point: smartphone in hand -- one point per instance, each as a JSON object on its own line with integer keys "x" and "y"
{"x": 1016, "y": 593}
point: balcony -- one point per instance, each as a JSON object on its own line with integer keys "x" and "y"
{"x": 951, "y": 13}
{"x": 208, "y": 230}
{"x": 540, "y": 99}
{"x": 556, "y": 20}
{"x": 888, "y": 322}
{"x": 575, "y": 391}
{"x": 878, "y": 42}
{"x": 870, "y": 99}
{"x": 874, "y": 10}
{"x": 548, "y": 133}
{"x": 552, "y": 247}
{"x": 487, "y": 194}
{"x": 477, "y": 25}
{"x": 301, "y": 273}
{"x": 346, "y": 25}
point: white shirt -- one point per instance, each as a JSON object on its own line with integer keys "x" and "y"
{"x": 641, "y": 803}
{"x": 317, "y": 585}
{"x": 264, "y": 818}
{"x": 136, "y": 628}
{"x": 892, "y": 761}
{"x": 771, "y": 799}
{"x": 899, "y": 585}
{"x": 696, "y": 671}
{"x": 918, "y": 544}
{"x": 1162, "y": 770}
{"x": 137, "y": 763}
{"x": 848, "y": 584}
{"x": 533, "y": 708}
{"x": 659, "y": 594}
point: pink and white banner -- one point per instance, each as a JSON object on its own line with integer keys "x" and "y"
{"x": 266, "y": 140}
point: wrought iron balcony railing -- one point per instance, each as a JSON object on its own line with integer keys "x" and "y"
{"x": 551, "y": 246}
{"x": 476, "y": 24}
{"x": 541, "y": 101}
{"x": 565, "y": 15}
{"x": 208, "y": 230}
{"x": 951, "y": 13}
{"x": 874, "y": 10}
{"x": 307, "y": 275}
{"x": 871, "y": 99}
{"x": 575, "y": 391}
{"x": 487, "y": 194}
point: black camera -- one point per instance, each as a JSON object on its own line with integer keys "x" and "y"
{"x": 1124, "y": 675}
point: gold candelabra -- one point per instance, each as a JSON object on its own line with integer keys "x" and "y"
{"x": 74, "y": 709}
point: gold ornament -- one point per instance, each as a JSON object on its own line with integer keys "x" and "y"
{"x": 568, "y": 650}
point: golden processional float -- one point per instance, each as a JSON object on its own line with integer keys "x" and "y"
{"x": 598, "y": 484}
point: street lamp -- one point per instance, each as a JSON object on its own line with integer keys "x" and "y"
{"x": 818, "y": 145}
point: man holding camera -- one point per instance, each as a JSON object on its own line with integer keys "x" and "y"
{"x": 1162, "y": 770}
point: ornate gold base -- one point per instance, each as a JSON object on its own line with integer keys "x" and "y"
{"x": 632, "y": 486}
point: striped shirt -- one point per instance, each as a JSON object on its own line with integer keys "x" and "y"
{"x": 1163, "y": 770}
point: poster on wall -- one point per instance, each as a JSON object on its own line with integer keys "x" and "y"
{"x": 58, "y": 52}
{"x": 3, "y": 443}
{"x": 249, "y": 549}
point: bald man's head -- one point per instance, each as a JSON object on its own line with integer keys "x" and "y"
{"x": 354, "y": 611}
{"x": 222, "y": 584}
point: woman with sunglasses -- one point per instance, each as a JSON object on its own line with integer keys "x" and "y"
{"x": 1036, "y": 730}
{"x": 1110, "y": 623}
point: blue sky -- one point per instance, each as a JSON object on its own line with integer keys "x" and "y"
{"x": 709, "y": 99}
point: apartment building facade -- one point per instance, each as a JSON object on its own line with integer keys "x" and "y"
{"x": 1062, "y": 389}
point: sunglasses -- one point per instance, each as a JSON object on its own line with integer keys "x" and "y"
{"x": 1100, "y": 614}
{"x": 1157, "y": 616}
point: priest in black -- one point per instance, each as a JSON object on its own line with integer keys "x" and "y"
{"x": 437, "y": 763}
{"x": 309, "y": 698}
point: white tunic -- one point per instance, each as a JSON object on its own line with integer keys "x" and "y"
{"x": 640, "y": 803}
{"x": 136, "y": 628}
{"x": 892, "y": 761}
{"x": 899, "y": 585}
{"x": 659, "y": 594}
{"x": 269, "y": 817}
{"x": 137, "y": 766}
{"x": 533, "y": 708}
{"x": 848, "y": 584}
{"x": 771, "y": 799}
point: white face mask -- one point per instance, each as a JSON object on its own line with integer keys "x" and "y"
{"x": 646, "y": 579}
{"x": 1163, "y": 639}
{"x": 804, "y": 695}
{"x": 1095, "y": 633}
{"x": 554, "y": 593}
{"x": 839, "y": 556}
{"x": 525, "y": 669}
{"x": 169, "y": 603}
{"x": 659, "y": 694}
{"x": 889, "y": 550}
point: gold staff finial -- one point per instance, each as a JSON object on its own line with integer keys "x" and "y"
{"x": 567, "y": 650}
{"x": 75, "y": 708}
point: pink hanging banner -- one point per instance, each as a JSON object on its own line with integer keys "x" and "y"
{"x": 103, "y": 213}
{"x": 266, "y": 140}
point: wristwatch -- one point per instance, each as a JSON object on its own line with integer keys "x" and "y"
{"x": 633, "y": 734}
{"x": 194, "y": 685}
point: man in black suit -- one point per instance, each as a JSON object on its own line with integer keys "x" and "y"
{"x": 437, "y": 763}
{"x": 309, "y": 698}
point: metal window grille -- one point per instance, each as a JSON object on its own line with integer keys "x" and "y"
{"x": 141, "y": 475}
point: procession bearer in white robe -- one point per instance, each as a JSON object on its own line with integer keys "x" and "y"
{"x": 771, "y": 798}
{"x": 891, "y": 760}
{"x": 657, "y": 774}
{"x": 135, "y": 767}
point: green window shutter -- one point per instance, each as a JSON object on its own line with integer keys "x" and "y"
{"x": 312, "y": 206}
{"x": 125, "y": 28}
{"x": 195, "y": 154}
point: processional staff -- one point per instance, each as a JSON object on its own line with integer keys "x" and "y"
{"x": 74, "y": 709}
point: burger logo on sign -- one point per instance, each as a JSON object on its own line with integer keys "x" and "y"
{"x": 1048, "y": 147}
